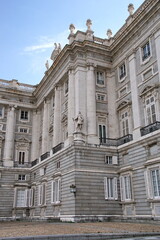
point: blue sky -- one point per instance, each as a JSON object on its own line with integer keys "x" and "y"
{"x": 29, "y": 29}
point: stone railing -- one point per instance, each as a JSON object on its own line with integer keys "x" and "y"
{"x": 14, "y": 84}
{"x": 150, "y": 128}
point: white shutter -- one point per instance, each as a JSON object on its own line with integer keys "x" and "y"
{"x": 114, "y": 159}
{"x": 59, "y": 190}
{"x": 27, "y": 193}
{"x": 115, "y": 192}
{"x": 40, "y": 194}
{"x": 15, "y": 198}
{"x": 53, "y": 192}
{"x": 105, "y": 188}
{"x": 41, "y": 171}
{"x": 122, "y": 188}
{"x": 148, "y": 185}
{"x": 16, "y": 177}
{"x": 44, "y": 194}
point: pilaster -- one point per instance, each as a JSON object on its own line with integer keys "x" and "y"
{"x": 57, "y": 122}
{"x": 157, "y": 43}
{"x": 45, "y": 126}
{"x": 35, "y": 135}
{"x": 71, "y": 104}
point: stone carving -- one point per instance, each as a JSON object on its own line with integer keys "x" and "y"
{"x": 131, "y": 9}
{"x": 89, "y": 24}
{"x": 47, "y": 65}
{"x": 71, "y": 28}
{"x": 109, "y": 33}
{"x": 79, "y": 122}
{"x": 56, "y": 51}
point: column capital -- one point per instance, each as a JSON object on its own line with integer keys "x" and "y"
{"x": 90, "y": 66}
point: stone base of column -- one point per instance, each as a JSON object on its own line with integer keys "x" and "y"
{"x": 79, "y": 137}
{"x": 136, "y": 133}
{"x": 7, "y": 163}
{"x": 92, "y": 139}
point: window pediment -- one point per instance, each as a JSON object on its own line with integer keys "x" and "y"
{"x": 123, "y": 105}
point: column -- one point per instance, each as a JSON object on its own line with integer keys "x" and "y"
{"x": 112, "y": 111}
{"x": 9, "y": 138}
{"x": 45, "y": 127}
{"x": 35, "y": 135}
{"x": 91, "y": 103}
{"x": 57, "y": 119}
{"x": 71, "y": 104}
{"x": 134, "y": 95}
{"x": 157, "y": 43}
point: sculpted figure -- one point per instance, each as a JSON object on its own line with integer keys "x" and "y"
{"x": 47, "y": 64}
{"x": 79, "y": 122}
{"x": 56, "y": 51}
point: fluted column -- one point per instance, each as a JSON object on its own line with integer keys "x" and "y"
{"x": 112, "y": 113}
{"x": 91, "y": 102}
{"x": 57, "y": 122}
{"x": 45, "y": 132}
{"x": 71, "y": 104}
{"x": 35, "y": 135}
{"x": 157, "y": 43}
{"x": 9, "y": 138}
{"x": 134, "y": 94}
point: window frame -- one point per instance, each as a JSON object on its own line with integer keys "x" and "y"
{"x": 110, "y": 188}
{"x": 24, "y": 119}
{"x": 21, "y": 157}
{"x": 56, "y": 191}
{"x": 151, "y": 121}
{"x": 146, "y": 59}
{"x": 122, "y": 74}
{"x": 100, "y": 81}
{"x": 126, "y": 187}
{"x": 2, "y": 110}
{"x": 42, "y": 194}
{"x": 102, "y": 132}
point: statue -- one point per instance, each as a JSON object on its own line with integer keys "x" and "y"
{"x": 71, "y": 28}
{"x": 131, "y": 9}
{"x": 56, "y": 51}
{"x": 79, "y": 122}
{"x": 47, "y": 64}
{"x": 89, "y": 24}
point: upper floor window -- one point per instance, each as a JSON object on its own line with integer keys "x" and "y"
{"x": 111, "y": 159}
{"x": 125, "y": 123}
{"x": 24, "y": 115}
{"x": 110, "y": 188}
{"x": 122, "y": 71}
{"x": 146, "y": 52}
{"x": 66, "y": 87}
{"x": 21, "y": 177}
{"x": 102, "y": 133}
{"x": 150, "y": 110}
{"x": 100, "y": 78}
{"x": 126, "y": 187}
{"x": 1, "y": 112}
{"x": 21, "y": 157}
{"x": 101, "y": 97}
{"x": 23, "y": 130}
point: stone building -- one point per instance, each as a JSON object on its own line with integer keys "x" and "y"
{"x": 84, "y": 144}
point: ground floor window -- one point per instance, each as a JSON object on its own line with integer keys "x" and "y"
{"x": 56, "y": 191}
{"x": 126, "y": 187}
{"x": 152, "y": 177}
{"x": 110, "y": 188}
{"x": 42, "y": 194}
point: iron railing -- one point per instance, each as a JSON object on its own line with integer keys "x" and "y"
{"x": 116, "y": 141}
{"x": 57, "y": 148}
{"x": 45, "y": 155}
{"x": 34, "y": 162}
{"x": 150, "y": 128}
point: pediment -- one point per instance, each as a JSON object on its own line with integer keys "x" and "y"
{"x": 123, "y": 104}
{"x": 23, "y": 140}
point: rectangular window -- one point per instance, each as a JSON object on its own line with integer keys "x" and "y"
{"x": 42, "y": 194}
{"x": 150, "y": 110}
{"x": 100, "y": 97}
{"x": 22, "y": 177}
{"x": 102, "y": 133}
{"x": 100, "y": 78}
{"x": 56, "y": 191}
{"x": 21, "y": 198}
{"x": 110, "y": 188}
{"x": 1, "y": 112}
{"x": 122, "y": 71}
{"x": 146, "y": 51}
{"x": 155, "y": 176}
{"x": 24, "y": 115}
{"x": 66, "y": 87}
{"x": 125, "y": 184}
{"x": 21, "y": 158}
{"x": 108, "y": 160}
{"x": 125, "y": 124}
{"x": 23, "y": 130}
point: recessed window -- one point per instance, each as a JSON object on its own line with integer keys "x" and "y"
{"x": 146, "y": 52}
{"x": 125, "y": 123}
{"x": 23, "y": 130}
{"x": 101, "y": 97}
{"x": 150, "y": 110}
{"x": 22, "y": 177}
{"x": 102, "y": 133}
{"x": 110, "y": 188}
{"x": 122, "y": 71}
{"x": 126, "y": 187}
{"x": 66, "y": 87}
{"x": 42, "y": 194}
{"x": 56, "y": 191}
{"x": 24, "y": 115}
{"x": 21, "y": 157}
{"x": 100, "y": 78}
{"x": 1, "y": 112}
{"x": 108, "y": 159}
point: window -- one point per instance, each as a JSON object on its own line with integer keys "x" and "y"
{"x": 152, "y": 177}
{"x": 110, "y": 188}
{"x": 21, "y": 158}
{"x": 111, "y": 159}
{"x": 23, "y": 130}
{"x": 21, "y": 197}
{"x": 102, "y": 133}
{"x": 66, "y": 87}
{"x": 22, "y": 177}
{"x": 146, "y": 51}
{"x": 42, "y": 194}
{"x": 150, "y": 110}
{"x": 124, "y": 124}
{"x": 122, "y": 71}
{"x": 31, "y": 197}
{"x": 155, "y": 176}
{"x": 122, "y": 92}
{"x": 24, "y": 115}
{"x": 125, "y": 185}
{"x": 56, "y": 191}
{"x": 100, "y": 78}
{"x": 101, "y": 97}
{"x": 1, "y": 112}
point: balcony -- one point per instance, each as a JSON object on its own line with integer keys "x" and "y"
{"x": 45, "y": 155}
{"x": 116, "y": 141}
{"x": 34, "y": 162}
{"x": 57, "y": 148}
{"x": 150, "y": 128}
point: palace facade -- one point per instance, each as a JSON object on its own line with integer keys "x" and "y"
{"x": 84, "y": 144}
